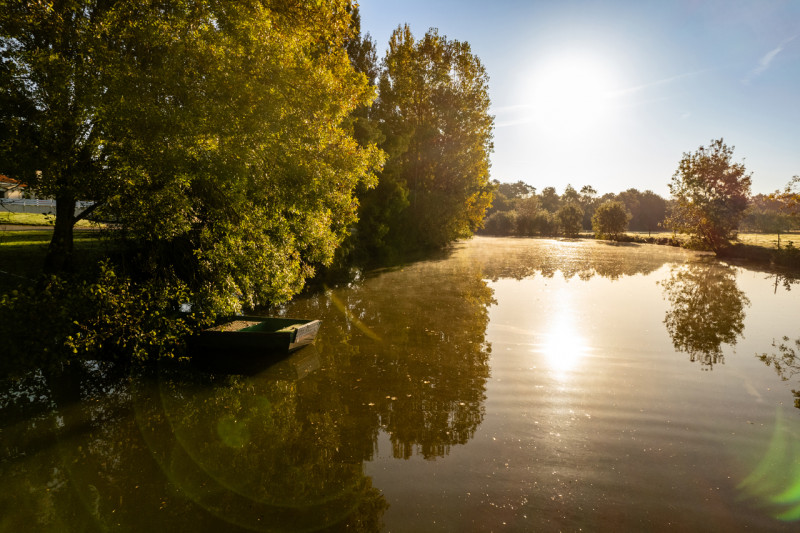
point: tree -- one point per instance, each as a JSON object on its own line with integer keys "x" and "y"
{"x": 610, "y": 219}
{"x": 632, "y": 200}
{"x": 433, "y": 108}
{"x": 549, "y": 199}
{"x": 570, "y": 215}
{"x": 217, "y": 134}
{"x": 362, "y": 51}
{"x": 588, "y": 201}
{"x": 647, "y": 209}
{"x": 500, "y": 223}
{"x": 653, "y": 209}
{"x": 52, "y": 88}
{"x": 711, "y": 193}
{"x": 518, "y": 189}
{"x": 507, "y": 196}
{"x": 767, "y": 214}
{"x": 786, "y": 362}
{"x": 789, "y": 199}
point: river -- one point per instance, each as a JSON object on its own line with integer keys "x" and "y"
{"x": 507, "y": 385}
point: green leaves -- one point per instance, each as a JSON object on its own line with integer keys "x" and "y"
{"x": 215, "y": 135}
{"x": 233, "y": 126}
{"x": 433, "y": 111}
{"x": 610, "y": 219}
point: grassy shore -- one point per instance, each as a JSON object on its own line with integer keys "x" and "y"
{"x": 37, "y": 219}
{"x": 22, "y": 254}
{"x": 761, "y": 248}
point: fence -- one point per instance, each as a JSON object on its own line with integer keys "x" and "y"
{"x": 35, "y": 205}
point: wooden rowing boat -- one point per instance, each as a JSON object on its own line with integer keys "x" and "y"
{"x": 244, "y": 341}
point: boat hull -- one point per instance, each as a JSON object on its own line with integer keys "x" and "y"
{"x": 249, "y": 341}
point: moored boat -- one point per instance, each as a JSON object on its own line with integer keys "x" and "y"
{"x": 244, "y": 341}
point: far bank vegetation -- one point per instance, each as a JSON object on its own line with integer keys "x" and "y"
{"x": 520, "y": 210}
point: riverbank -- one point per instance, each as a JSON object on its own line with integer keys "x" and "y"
{"x": 757, "y": 249}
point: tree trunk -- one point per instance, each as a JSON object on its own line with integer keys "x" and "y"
{"x": 59, "y": 253}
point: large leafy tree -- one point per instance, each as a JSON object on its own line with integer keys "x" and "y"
{"x": 433, "y": 108}
{"x": 549, "y": 199}
{"x": 52, "y": 87}
{"x": 570, "y": 216}
{"x": 217, "y": 132}
{"x": 710, "y": 193}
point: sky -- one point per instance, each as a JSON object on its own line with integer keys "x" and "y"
{"x": 612, "y": 93}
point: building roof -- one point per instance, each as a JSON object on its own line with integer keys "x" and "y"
{"x": 7, "y": 183}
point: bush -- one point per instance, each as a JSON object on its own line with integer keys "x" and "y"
{"x": 110, "y": 318}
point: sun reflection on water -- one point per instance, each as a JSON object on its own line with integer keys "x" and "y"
{"x": 563, "y": 345}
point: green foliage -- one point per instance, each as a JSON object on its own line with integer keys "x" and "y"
{"x": 588, "y": 202}
{"x": 711, "y": 194}
{"x": 501, "y": 223}
{"x": 549, "y": 199}
{"x": 768, "y": 214}
{"x": 785, "y": 361}
{"x": 570, "y": 217}
{"x": 111, "y": 318}
{"x": 433, "y": 108}
{"x": 610, "y": 219}
{"x": 217, "y": 138}
{"x": 647, "y": 209}
{"x": 539, "y": 222}
{"x": 789, "y": 198}
{"x": 258, "y": 186}
{"x": 362, "y": 51}
{"x": 570, "y": 195}
{"x": 506, "y": 196}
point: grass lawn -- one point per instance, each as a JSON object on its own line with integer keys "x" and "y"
{"x": 22, "y": 254}
{"x": 764, "y": 240}
{"x": 37, "y": 219}
{"x": 769, "y": 240}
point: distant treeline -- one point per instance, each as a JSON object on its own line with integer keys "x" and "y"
{"x": 518, "y": 209}
{"x": 768, "y": 214}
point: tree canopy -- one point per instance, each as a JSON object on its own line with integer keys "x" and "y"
{"x": 216, "y": 134}
{"x": 711, "y": 193}
{"x": 570, "y": 216}
{"x": 433, "y": 110}
{"x": 610, "y": 219}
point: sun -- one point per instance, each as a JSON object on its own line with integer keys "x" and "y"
{"x": 571, "y": 94}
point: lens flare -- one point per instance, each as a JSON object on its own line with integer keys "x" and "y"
{"x": 775, "y": 481}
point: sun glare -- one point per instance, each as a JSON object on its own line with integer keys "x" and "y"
{"x": 571, "y": 94}
{"x": 563, "y": 346}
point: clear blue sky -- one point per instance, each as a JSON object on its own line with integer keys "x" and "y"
{"x": 611, "y": 93}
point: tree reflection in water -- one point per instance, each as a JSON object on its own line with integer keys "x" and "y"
{"x": 414, "y": 367}
{"x": 282, "y": 450}
{"x": 785, "y": 362}
{"x": 517, "y": 260}
{"x": 707, "y": 310}
{"x": 194, "y": 452}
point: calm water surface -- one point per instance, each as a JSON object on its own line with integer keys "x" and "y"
{"x": 514, "y": 385}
